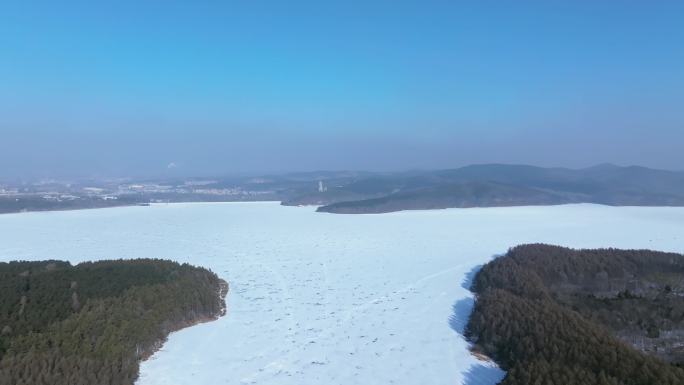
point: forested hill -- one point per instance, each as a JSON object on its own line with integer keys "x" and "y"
{"x": 92, "y": 323}
{"x": 552, "y": 315}
{"x": 492, "y": 185}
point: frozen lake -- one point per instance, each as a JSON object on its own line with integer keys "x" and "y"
{"x": 323, "y": 298}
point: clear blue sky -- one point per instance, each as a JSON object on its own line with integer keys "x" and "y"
{"x": 218, "y": 87}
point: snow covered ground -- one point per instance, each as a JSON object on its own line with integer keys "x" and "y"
{"x": 323, "y": 298}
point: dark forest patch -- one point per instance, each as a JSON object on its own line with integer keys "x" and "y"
{"x": 553, "y": 315}
{"x": 92, "y": 323}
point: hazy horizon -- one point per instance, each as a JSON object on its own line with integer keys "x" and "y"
{"x": 146, "y": 89}
{"x": 169, "y": 174}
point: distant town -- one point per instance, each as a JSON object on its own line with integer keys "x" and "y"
{"x": 57, "y": 194}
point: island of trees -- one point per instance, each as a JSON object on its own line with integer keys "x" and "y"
{"x": 552, "y": 315}
{"x": 93, "y": 323}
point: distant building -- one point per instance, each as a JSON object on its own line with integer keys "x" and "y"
{"x": 321, "y": 186}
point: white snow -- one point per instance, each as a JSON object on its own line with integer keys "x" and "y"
{"x": 324, "y": 298}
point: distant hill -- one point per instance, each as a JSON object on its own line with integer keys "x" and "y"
{"x": 468, "y": 194}
{"x": 501, "y": 185}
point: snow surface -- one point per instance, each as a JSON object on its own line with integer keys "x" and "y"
{"x": 325, "y": 298}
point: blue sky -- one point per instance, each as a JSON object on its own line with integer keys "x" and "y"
{"x": 221, "y": 87}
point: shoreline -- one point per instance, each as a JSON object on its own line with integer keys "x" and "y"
{"x": 159, "y": 344}
{"x": 128, "y": 205}
{"x": 370, "y": 213}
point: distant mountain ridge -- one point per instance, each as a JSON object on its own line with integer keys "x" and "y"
{"x": 362, "y": 192}
{"x": 490, "y": 185}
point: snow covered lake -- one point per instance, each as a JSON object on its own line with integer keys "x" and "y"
{"x": 324, "y": 298}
